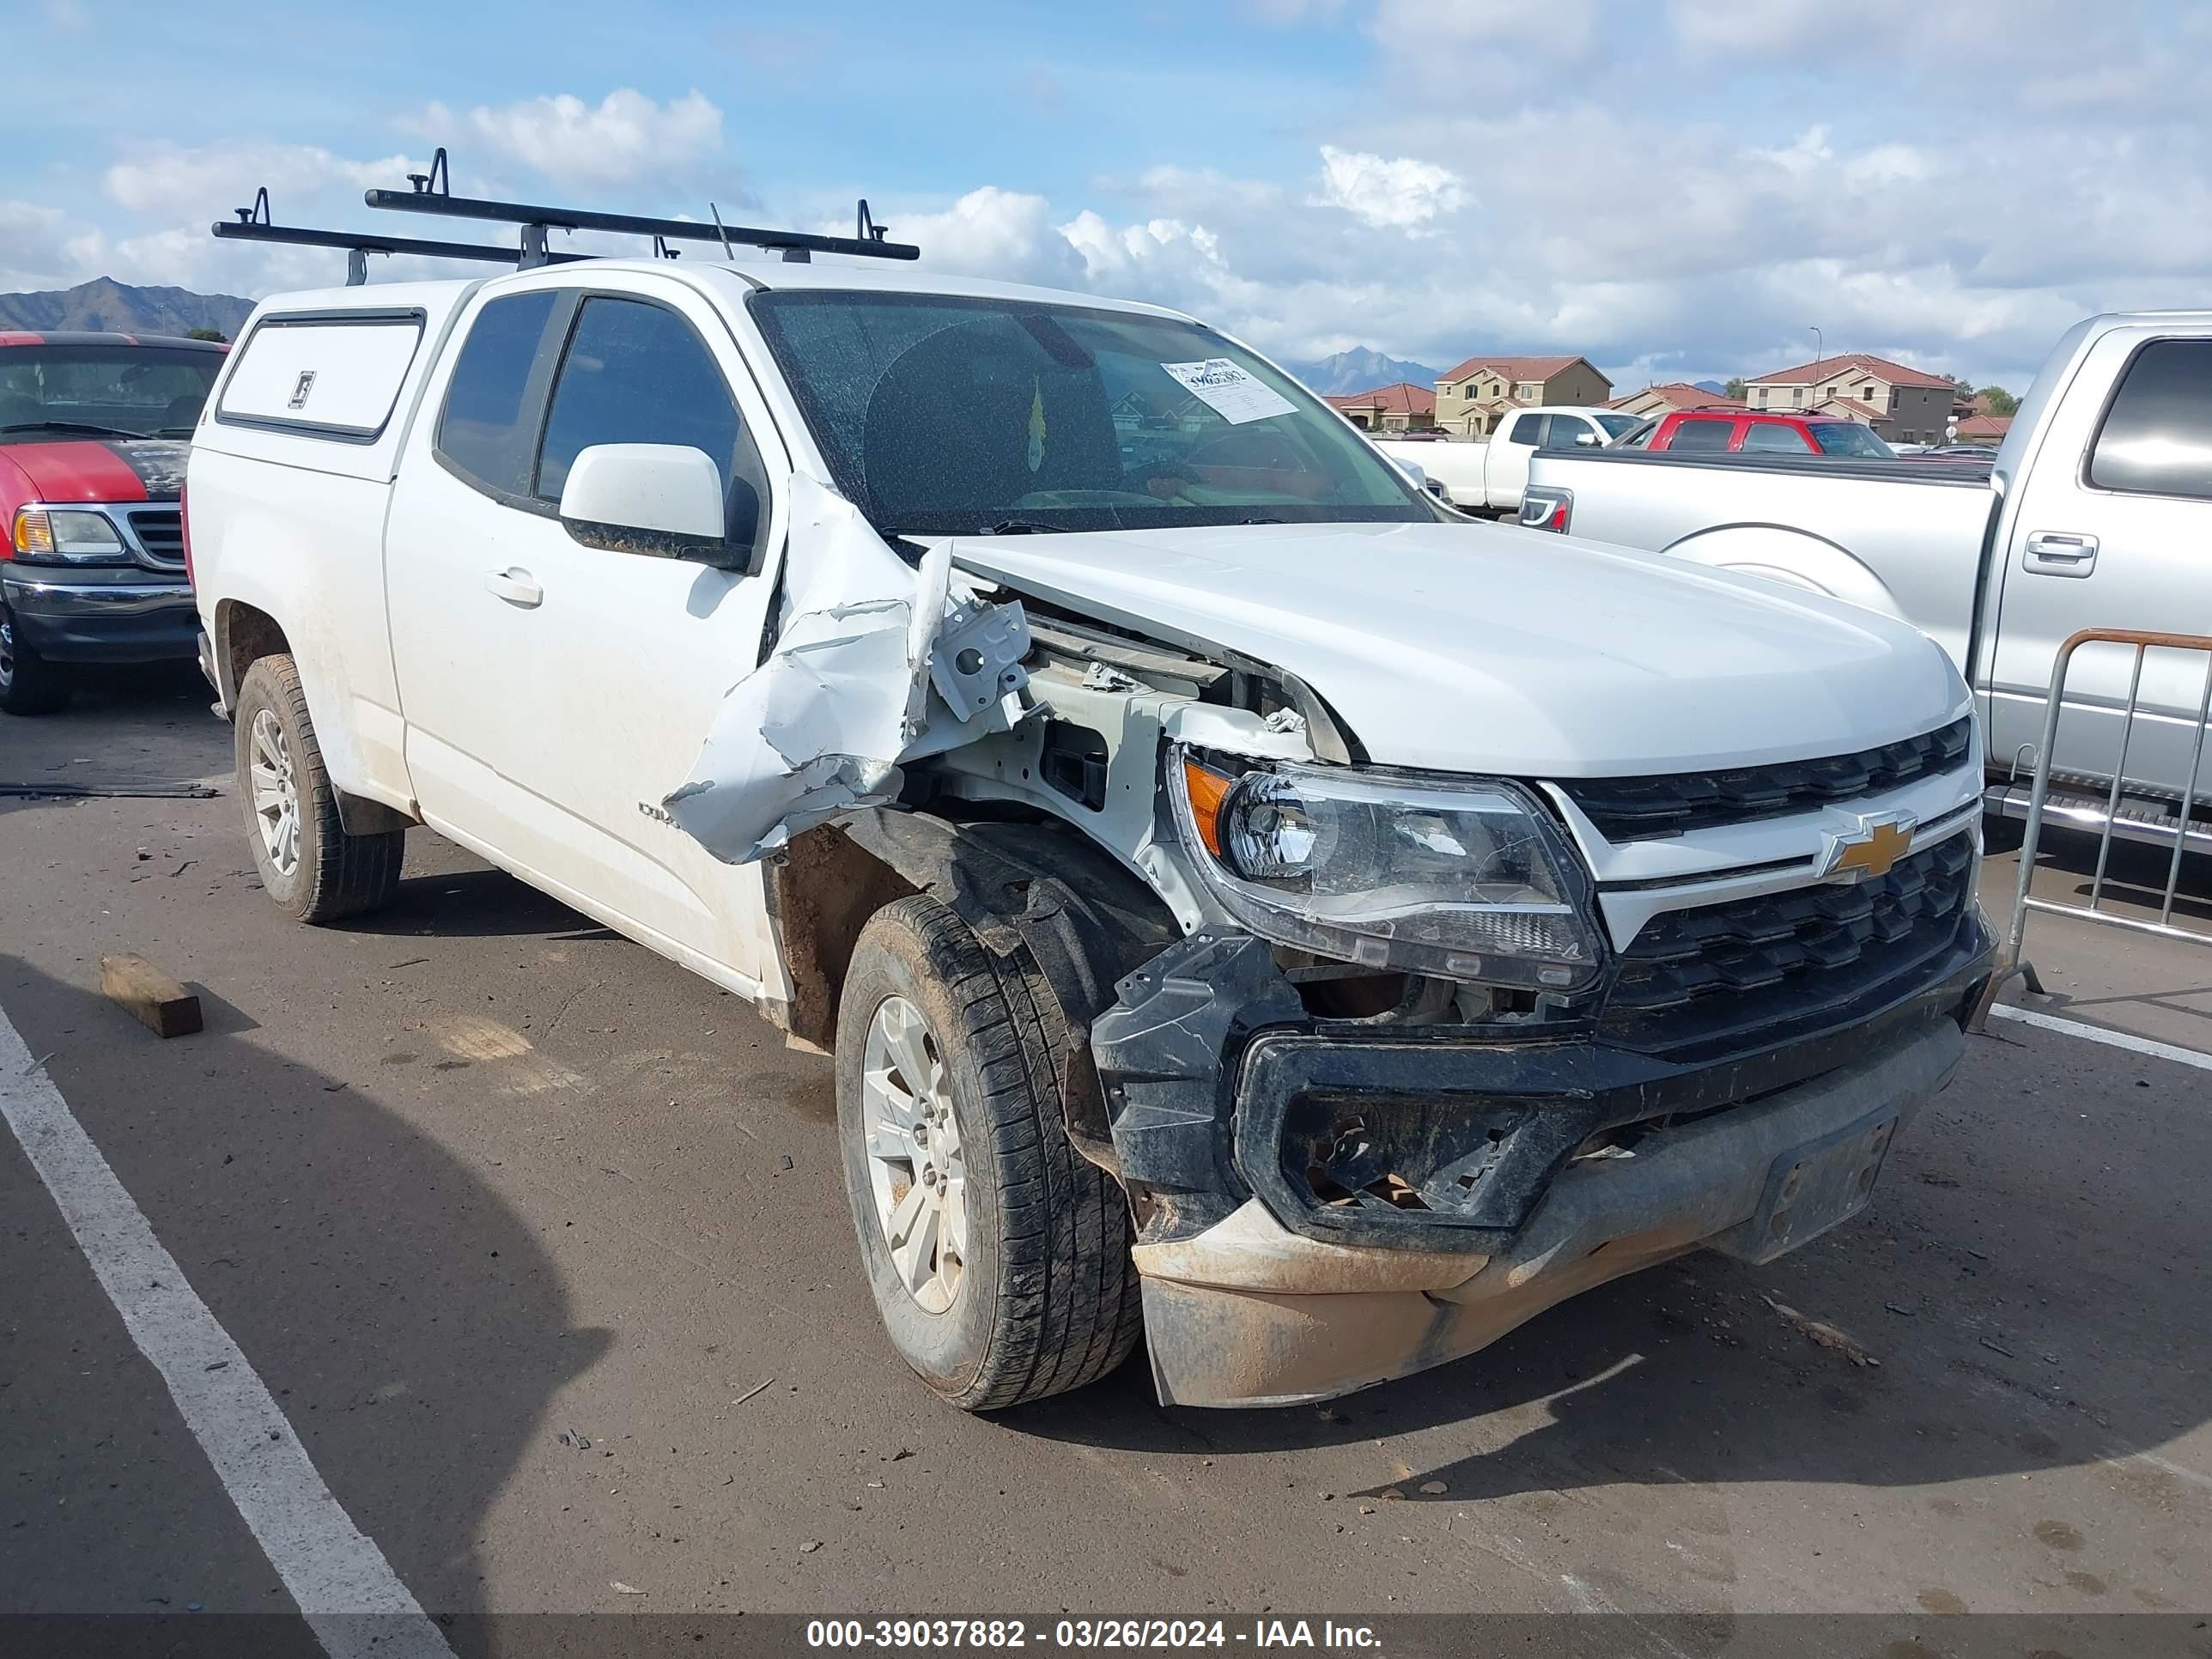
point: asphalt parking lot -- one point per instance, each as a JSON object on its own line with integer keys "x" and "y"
{"x": 538, "y": 1244}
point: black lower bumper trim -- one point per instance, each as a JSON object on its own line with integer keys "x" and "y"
{"x": 90, "y": 621}
{"x": 1218, "y": 1085}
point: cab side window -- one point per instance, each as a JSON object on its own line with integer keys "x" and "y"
{"x": 2156, "y": 439}
{"x": 488, "y": 430}
{"x": 635, "y": 372}
{"x": 1774, "y": 436}
{"x": 1702, "y": 435}
{"x": 1528, "y": 429}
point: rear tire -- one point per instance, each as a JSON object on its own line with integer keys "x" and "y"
{"x": 1040, "y": 1295}
{"x": 309, "y": 864}
{"x": 29, "y": 685}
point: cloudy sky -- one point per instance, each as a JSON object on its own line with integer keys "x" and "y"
{"x": 1679, "y": 189}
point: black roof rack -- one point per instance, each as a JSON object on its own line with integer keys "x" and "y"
{"x": 431, "y": 193}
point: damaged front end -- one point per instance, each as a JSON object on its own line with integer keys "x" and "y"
{"x": 1373, "y": 1126}
{"x": 874, "y": 662}
{"x": 1355, "y": 1041}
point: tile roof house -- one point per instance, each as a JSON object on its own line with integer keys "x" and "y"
{"x": 1473, "y": 398}
{"x": 1982, "y": 429}
{"x": 1902, "y": 403}
{"x": 1400, "y": 406}
{"x": 1852, "y": 409}
{"x": 1673, "y": 396}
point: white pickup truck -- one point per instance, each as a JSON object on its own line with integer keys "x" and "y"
{"x": 1487, "y": 476}
{"x": 1245, "y": 900}
{"x": 2096, "y": 513}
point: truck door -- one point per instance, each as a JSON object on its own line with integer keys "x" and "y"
{"x": 2111, "y": 530}
{"x": 607, "y": 667}
{"x": 1505, "y": 464}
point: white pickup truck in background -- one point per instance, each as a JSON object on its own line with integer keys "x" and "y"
{"x": 2096, "y": 513}
{"x": 1487, "y": 475}
{"x": 1244, "y": 899}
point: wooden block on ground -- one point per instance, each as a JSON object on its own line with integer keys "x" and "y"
{"x": 154, "y": 999}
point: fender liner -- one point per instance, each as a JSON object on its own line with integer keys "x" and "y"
{"x": 1056, "y": 911}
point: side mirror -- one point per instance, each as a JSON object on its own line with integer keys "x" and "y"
{"x": 664, "y": 500}
{"x": 1586, "y": 440}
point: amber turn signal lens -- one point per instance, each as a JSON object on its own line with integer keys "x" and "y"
{"x": 34, "y": 534}
{"x": 1208, "y": 789}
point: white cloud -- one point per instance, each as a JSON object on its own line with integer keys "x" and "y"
{"x": 1471, "y": 43}
{"x": 626, "y": 137}
{"x": 208, "y": 181}
{"x": 33, "y": 246}
{"x": 1387, "y": 193}
{"x": 1755, "y": 27}
{"x": 1001, "y": 233}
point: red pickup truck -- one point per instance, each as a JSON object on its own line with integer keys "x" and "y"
{"x": 94, "y": 430}
{"x": 1714, "y": 431}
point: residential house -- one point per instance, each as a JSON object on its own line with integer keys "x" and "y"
{"x": 1904, "y": 405}
{"x": 1851, "y": 409}
{"x": 1670, "y": 398}
{"x": 1136, "y": 411}
{"x": 1982, "y": 430}
{"x": 1471, "y": 398}
{"x": 1400, "y": 407}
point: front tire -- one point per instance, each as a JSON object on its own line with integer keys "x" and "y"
{"x": 306, "y": 859}
{"x": 998, "y": 1257}
{"x": 29, "y": 685}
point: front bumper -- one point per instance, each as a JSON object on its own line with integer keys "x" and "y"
{"x": 1227, "y": 1324}
{"x": 1320, "y": 1209}
{"x": 103, "y": 616}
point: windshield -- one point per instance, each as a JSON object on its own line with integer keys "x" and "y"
{"x": 135, "y": 391}
{"x": 1849, "y": 438}
{"x": 1639, "y": 435}
{"x": 950, "y": 415}
{"x": 1615, "y": 425}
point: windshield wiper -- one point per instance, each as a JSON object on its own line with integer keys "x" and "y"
{"x": 71, "y": 426}
{"x": 1021, "y": 527}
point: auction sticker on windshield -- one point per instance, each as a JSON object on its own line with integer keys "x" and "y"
{"x": 1230, "y": 392}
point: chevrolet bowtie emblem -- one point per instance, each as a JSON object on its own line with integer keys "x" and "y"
{"x": 1870, "y": 850}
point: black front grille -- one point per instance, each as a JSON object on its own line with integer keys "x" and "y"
{"x": 1705, "y": 974}
{"x": 1638, "y": 809}
{"x": 161, "y": 531}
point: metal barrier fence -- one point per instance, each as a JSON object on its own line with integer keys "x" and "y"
{"x": 2011, "y": 965}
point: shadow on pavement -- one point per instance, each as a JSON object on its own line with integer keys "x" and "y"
{"x": 2027, "y": 1278}
{"x": 408, "y": 1322}
{"x": 2135, "y": 876}
{"x": 477, "y": 903}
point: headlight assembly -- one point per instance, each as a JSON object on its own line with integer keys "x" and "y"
{"x": 57, "y": 533}
{"x": 1466, "y": 882}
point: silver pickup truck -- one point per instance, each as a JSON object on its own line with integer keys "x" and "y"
{"x": 2097, "y": 513}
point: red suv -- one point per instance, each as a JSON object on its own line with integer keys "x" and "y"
{"x": 1757, "y": 432}
{"x": 93, "y": 439}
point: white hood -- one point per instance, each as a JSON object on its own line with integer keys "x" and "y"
{"x": 1489, "y": 648}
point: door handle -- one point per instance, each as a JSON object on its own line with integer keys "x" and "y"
{"x": 2058, "y": 553}
{"x": 515, "y": 585}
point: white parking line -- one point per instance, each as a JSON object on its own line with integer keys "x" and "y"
{"x": 2134, "y": 1045}
{"x": 351, "y": 1596}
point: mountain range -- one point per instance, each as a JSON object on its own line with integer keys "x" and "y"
{"x": 104, "y": 304}
{"x": 1360, "y": 369}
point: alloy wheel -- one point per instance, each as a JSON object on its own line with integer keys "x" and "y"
{"x": 916, "y": 1167}
{"x": 276, "y": 791}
